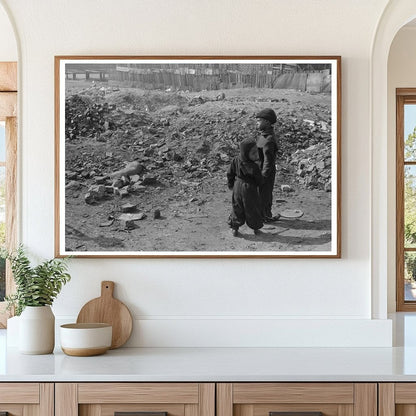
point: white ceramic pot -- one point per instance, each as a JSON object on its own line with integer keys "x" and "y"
{"x": 37, "y": 330}
{"x": 85, "y": 339}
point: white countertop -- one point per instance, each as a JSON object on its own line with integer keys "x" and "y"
{"x": 221, "y": 364}
{"x": 215, "y": 364}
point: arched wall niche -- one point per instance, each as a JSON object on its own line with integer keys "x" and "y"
{"x": 396, "y": 15}
{"x": 401, "y": 74}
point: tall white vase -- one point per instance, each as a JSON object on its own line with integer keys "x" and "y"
{"x": 37, "y": 330}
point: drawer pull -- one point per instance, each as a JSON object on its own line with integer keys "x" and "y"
{"x": 295, "y": 414}
{"x": 140, "y": 414}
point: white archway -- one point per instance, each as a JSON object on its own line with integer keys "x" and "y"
{"x": 395, "y": 16}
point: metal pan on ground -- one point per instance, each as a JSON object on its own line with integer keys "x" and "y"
{"x": 288, "y": 214}
{"x": 291, "y": 213}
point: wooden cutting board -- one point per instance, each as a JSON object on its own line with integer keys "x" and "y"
{"x": 109, "y": 310}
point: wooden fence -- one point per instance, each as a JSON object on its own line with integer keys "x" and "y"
{"x": 302, "y": 81}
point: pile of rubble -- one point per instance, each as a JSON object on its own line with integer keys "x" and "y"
{"x": 178, "y": 144}
{"x": 294, "y": 134}
{"x": 87, "y": 119}
{"x": 84, "y": 118}
{"x": 200, "y": 143}
{"x": 313, "y": 166}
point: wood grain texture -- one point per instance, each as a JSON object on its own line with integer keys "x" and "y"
{"x": 405, "y": 393}
{"x": 27, "y": 393}
{"x": 90, "y": 410}
{"x": 8, "y": 76}
{"x": 386, "y": 399}
{"x": 138, "y": 393}
{"x": 365, "y": 399}
{"x": 346, "y": 410}
{"x": 47, "y": 399}
{"x": 111, "y": 311}
{"x": 400, "y": 304}
{"x": 190, "y": 410}
{"x": 405, "y": 410}
{"x": 8, "y": 105}
{"x": 66, "y": 399}
{"x": 207, "y": 399}
{"x": 224, "y": 399}
{"x": 340, "y": 393}
{"x": 405, "y": 91}
{"x": 31, "y": 410}
{"x": 244, "y": 410}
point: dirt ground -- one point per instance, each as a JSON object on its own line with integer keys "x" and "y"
{"x": 190, "y": 192}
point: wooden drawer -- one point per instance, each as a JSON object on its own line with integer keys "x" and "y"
{"x": 397, "y": 399}
{"x": 105, "y": 399}
{"x": 27, "y": 399}
{"x": 331, "y": 399}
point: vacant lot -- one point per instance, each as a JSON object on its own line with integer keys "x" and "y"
{"x": 183, "y": 143}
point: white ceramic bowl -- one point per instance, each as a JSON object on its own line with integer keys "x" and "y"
{"x": 83, "y": 340}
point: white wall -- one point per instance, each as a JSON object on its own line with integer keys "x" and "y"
{"x": 401, "y": 74}
{"x": 8, "y": 46}
{"x": 293, "y": 302}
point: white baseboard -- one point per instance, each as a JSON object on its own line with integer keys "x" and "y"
{"x": 255, "y": 332}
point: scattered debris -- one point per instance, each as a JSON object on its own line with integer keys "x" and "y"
{"x": 128, "y": 208}
{"x": 132, "y": 168}
{"x": 170, "y": 150}
{"x": 94, "y": 194}
{"x": 128, "y": 224}
{"x": 286, "y": 188}
{"x": 313, "y": 166}
{"x": 123, "y": 192}
{"x": 133, "y": 217}
{"x": 73, "y": 185}
{"x": 108, "y": 223}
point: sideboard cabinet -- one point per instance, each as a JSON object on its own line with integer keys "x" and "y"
{"x": 208, "y": 399}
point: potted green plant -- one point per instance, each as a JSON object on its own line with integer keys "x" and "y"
{"x": 36, "y": 289}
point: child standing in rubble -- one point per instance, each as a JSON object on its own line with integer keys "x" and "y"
{"x": 267, "y": 146}
{"x": 244, "y": 178}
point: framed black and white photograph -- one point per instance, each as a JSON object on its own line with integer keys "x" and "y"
{"x": 198, "y": 156}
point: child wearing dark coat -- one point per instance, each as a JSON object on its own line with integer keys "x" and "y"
{"x": 244, "y": 178}
{"x": 267, "y": 146}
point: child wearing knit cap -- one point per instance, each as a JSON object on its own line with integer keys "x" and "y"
{"x": 267, "y": 146}
{"x": 244, "y": 178}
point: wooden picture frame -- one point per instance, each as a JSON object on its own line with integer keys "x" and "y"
{"x": 143, "y": 145}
